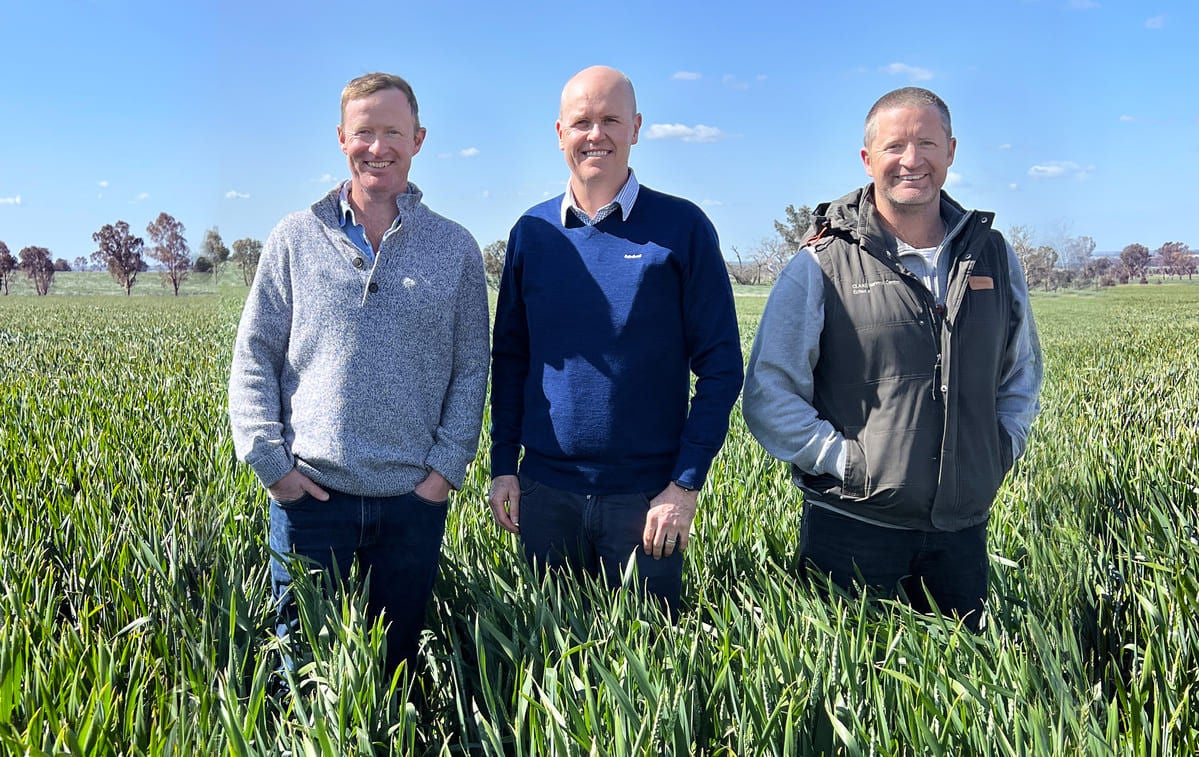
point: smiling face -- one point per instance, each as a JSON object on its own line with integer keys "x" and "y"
{"x": 379, "y": 136}
{"x": 908, "y": 158}
{"x": 597, "y": 125}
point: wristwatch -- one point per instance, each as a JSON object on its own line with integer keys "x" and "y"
{"x": 684, "y": 487}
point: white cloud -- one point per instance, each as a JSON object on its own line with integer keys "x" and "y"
{"x": 1057, "y": 168}
{"x": 140, "y": 197}
{"x": 469, "y": 152}
{"x": 1013, "y": 186}
{"x": 1127, "y": 119}
{"x": 697, "y": 133}
{"x": 1157, "y": 22}
{"x": 10, "y": 200}
{"x": 761, "y": 77}
{"x": 914, "y": 73}
{"x": 1049, "y": 171}
{"x": 233, "y": 194}
{"x": 102, "y": 184}
{"x": 1004, "y": 146}
{"x": 687, "y": 75}
{"x": 729, "y": 80}
{"x": 711, "y": 203}
{"x": 486, "y": 194}
{"x": 326, "y": 178}
{"x": 953, "y": 179}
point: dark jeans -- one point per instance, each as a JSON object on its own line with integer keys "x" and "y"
{"x": 396, "y": 539}
{"x": 590, "y": 533}
{"x": 950, "y": 565}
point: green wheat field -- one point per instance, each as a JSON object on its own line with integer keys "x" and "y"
{"x": 135, "y": 593}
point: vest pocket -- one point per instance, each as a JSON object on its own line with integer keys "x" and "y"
{"x": 983, "y": 462}
{"x": 1005, "y": 450}
{"x": 901, "y": 467}
{"x": 854, "y": 483}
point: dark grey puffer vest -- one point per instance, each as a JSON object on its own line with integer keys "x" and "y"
{"x": 912, "y": 387}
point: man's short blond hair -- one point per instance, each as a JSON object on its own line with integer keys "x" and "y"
{"x": 369, "y": 84}
{"x": 906, "y": 97}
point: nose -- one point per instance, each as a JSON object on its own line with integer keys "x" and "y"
{"x": 375, "y": 143}
{"x": 909, "y": 154}
{"x": 595, "y": 132}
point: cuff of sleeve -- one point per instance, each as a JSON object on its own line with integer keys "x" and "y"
{"x": 449, "y": 463}
{"x": 1019, "y": 443}
{"x": 691, "y": 476}
{"x": 272, "y": 467}
{"x": 504, "y": 459}
{"x": 840, "y": 457}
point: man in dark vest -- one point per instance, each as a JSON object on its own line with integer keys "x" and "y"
{"x": 897, "y": 368}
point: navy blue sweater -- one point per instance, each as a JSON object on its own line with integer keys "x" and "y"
{"x": 597, "y": 330}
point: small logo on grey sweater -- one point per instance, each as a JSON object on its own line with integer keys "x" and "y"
{"x": 408, "y": 282}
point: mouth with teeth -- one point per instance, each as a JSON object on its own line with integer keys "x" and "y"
{"x": 913, "y": 177}
{"x": 596, "y": 153}
{"x": 378, "y": 163}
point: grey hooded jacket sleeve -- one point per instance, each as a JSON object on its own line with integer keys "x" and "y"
{"x": 777, "y": 404}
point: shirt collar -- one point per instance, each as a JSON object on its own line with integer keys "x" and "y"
{"x": 347, "y": 210}
{"x": 624, "y": 199}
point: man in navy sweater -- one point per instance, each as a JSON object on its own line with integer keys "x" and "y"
{"x": 612, "y": 295}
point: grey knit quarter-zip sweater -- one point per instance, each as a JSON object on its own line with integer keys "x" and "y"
{"x": 362, "y": 375}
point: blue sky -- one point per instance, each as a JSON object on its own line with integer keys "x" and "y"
{"x": 1073, "y": 117}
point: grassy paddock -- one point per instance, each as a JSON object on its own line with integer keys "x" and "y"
{"x": 148, "y": 284}
{"x": 135, "y": 593}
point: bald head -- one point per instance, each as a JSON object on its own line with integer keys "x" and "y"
{"x": 597, "y": 124}
{"x": 594, "y": 81}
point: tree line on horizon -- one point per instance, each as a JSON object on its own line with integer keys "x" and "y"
{"x": 1070, "y": 263}
{"x": 124, "y": 255}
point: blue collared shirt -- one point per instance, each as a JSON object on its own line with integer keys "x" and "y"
{"x": 624, "y": 199}
{"x": 355, "y": 231}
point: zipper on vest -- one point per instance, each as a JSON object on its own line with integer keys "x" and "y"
{"x": 937, "y": 379}
{"x": 935, "y": 314}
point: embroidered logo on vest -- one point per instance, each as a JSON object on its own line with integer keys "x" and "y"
{"x": 864, "y": 287}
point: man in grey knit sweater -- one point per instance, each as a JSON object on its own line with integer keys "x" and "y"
{"x": 359, "y": 370}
